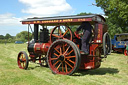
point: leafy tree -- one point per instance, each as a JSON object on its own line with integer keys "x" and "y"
{"x": 1, "y": 37}
{"x": 7, "y": 36}
{"x": 117, "y": 12}
{"x": 23, "y": 36}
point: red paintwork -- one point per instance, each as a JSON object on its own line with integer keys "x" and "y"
{"x": 41, "y": 48}
{"x": 91, "y": 61}
{"x": 99, "y": 36}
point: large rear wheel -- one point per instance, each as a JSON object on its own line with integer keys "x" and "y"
{"x": 63, "y": 57}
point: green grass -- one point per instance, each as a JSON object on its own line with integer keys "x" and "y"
{"x": 113, "y": 71}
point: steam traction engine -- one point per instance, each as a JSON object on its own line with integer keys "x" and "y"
{"x": 60, "y": 49}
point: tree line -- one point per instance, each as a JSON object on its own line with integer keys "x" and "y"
{"x": 22, "y": 36}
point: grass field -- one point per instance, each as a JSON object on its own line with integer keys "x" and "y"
{"x": 113, "y": 71}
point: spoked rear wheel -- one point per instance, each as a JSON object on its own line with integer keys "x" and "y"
{"x": 22, "y": 60}
{"x": 63, "y": 57}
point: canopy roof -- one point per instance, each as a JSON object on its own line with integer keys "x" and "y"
{"x": 74, "y": 19}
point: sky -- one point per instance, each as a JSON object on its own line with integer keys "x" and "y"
{"x": 13, "y": 11}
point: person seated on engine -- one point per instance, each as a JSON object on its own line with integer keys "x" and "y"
{"x": 87, "y": 33}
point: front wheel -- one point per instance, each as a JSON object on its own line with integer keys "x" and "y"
{"x": 63, "y": 57}
{"x": 22, "y": 60}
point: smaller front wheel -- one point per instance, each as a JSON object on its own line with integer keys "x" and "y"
{"x": 22, "y": 60}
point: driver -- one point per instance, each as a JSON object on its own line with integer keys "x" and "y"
{"x": 87, "y": 33}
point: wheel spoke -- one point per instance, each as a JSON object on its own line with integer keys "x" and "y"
{"x": 67, "y": 49}
{"x": 60, "y": 51}
{"x": 70, "y": 52}
{"x": 55, "y": 35}
{"x": 63, "y": 48}
{"x": 66, "y": 68}
{"x": 57, "y": 50}
{"x": 55, "y": 63}
{"x": 59, "y": 65}
{"x": 71, "y": 61}
{"x": 54, "y": 58}
{"x": 59, "y": 30}
{"x": 70, "y": 57}
{"x": 65, "y": 32}
{"x": 62, "y": 67}
{"x": 68, "y": 64}
{"x": 56, "y": 55}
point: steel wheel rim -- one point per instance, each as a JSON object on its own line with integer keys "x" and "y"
{"x": 62, "y": 58}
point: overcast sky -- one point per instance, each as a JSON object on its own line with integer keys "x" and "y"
{"x": 12, "y": 11}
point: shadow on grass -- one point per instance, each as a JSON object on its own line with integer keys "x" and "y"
{"x": 117, "y": 52}
{"x": 31, "y": 68}
{"x": 99, "y": 71}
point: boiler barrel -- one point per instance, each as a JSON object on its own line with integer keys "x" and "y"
{"x": 39, "y": 48}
